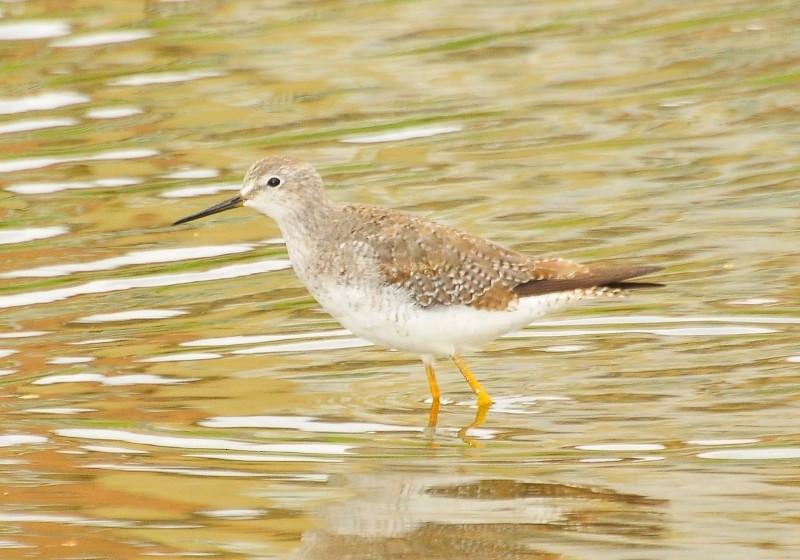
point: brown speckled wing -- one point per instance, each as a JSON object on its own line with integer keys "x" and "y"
{"x": 440, "y": 265}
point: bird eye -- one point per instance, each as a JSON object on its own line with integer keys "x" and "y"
{"x": 274, "y": 181}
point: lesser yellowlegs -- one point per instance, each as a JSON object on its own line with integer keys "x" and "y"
{"x": 407, "y": 283}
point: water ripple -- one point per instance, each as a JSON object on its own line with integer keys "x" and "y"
{"x": 107, "y": 38}
{"x": 34, "y": 124}
{"x": 29, "y": 517}
{"x": 303, "y": 424}
{"x": 69, "y": 360}
{"x": 255, "y": 339}
{"x": 402, "y": 134}
{"x": 715, "y": 330}
{"x": 129, "y": 259}
{"x": 113, "y": 112}
{"x": 8, "y": 236}
{"x": 198, "y": 471}
{"x": 308, "y": 346}
{"x": 637, "y": 447}
{"x": 41, "y": 102}
{"x": 186, "y": 357}
{"x": 134, "y": 315}
{"x": 165, "y": 78}
{"x": 27, "y": 30}
{"x": 192, "y": 174}
{"x": 678, "y": 331}
{"x": 115, "y": 381}
{"x": 51, "y": 187}
{"x": 753, "y": 454}
{"x": 23, "y": 334}
{"x": 119, "y": 284}
{"x": 190, "y": 192}
{"x": 25, "y": 164}
{"x": 656, "y": 319}
{"x": 20, "y": 439}
{"x": 201, "y": 443}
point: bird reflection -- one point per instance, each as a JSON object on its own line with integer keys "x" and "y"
{"x": 413, "y": 515}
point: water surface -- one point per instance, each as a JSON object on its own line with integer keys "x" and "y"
{"x": 176, "y": 392}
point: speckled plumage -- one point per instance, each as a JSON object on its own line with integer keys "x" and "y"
{"x": 408, "y": 283}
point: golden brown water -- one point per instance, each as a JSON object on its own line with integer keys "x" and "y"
{"x": 175, "y": 392}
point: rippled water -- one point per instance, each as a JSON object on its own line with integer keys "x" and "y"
{"x": 176, "y": 392}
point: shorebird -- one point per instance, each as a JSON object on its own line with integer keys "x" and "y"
{"x": 407, "y": 283}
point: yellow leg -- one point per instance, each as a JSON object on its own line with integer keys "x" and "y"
{"x": 435, "y": 394}
{"x": 480, "y": 418}
{"x": 433, "y": 414}
{"x": 484, "y": 400}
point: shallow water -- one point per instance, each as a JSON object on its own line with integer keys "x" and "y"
{"x": 174, "y": 391}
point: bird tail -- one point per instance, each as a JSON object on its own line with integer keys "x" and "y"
{"x": 595, "y": 280}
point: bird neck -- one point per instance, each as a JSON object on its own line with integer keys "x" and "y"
{"x": 307, "y": 224}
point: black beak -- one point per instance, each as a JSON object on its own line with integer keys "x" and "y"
{"x": 234, "y": 202}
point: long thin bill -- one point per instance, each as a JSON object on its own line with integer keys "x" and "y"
{"x": 234, "y": 202}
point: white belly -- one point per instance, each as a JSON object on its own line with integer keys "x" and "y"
{"x": 390, "y": 320}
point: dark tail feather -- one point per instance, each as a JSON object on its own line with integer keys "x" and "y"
{"x": 611, "y": 277}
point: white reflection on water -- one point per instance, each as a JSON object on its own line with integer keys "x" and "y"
{"x": 47, "y": 188}
{"x": 711, "y": 442}
{"x": 304, "y": 424}
{"x": 67, "y": 410}
{"x": 656, "y": 319}
{"x": 107, "y": 38}
{"x": 204, "y": 190}
{"x": 23, "y": 334}
{"x": 134, "y": 315}
{"x": 20, "y": 439}
{"x": 325, "y": 343}
{"x": 192, "y": 174}
{"x": 753, "y": 301}
{"x": 186, "y": 357}
{"x": 69, "y": 360}
{"x": 34, "y": 124}
{"x": 115, "y": 381}
{"x": 164, "y": 78}
{"x": 202, "y": 443}
{"x": 199, "y": 471}
{"x": 29, "y": 517}
{"x": 402, "y": 134}
{"x": 239, "y": 513}
{"x": 523, "y": 404}
{"x": 265, "y": 458}
{"x": 132, "y": 258}
{"x": 27, "y": 30}
{"x": 41, "y": 102}
{"x": 9, "y": 236}
{"x": 113, "y": 112}
{"x": 116, "y": 450}
{"x": 753, "y": 454}
{"x": 255, "y": 339}
{"x": 636, "y": 447}
{"x": 308, "y": 346}
{"x": 118, "y": 284}
{"x": 25, "y": 164}
{"x": 565, "y": 348}
{"x": 677, "y": 331}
